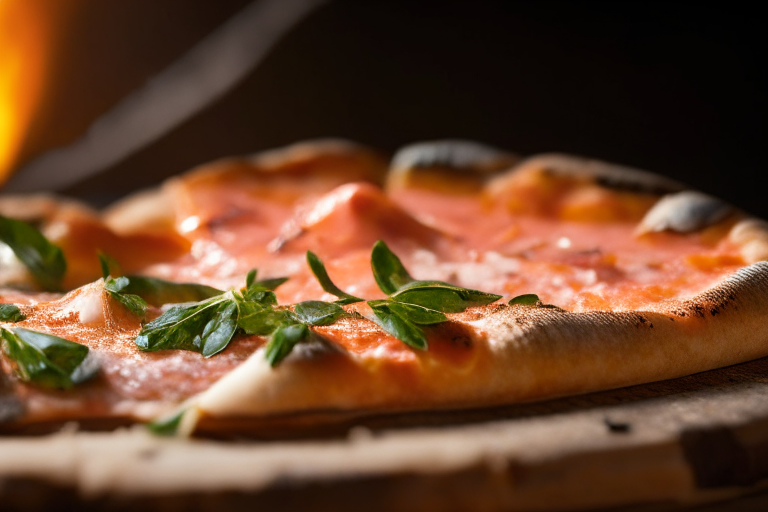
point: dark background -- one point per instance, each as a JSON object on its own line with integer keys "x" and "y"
{"x": 674, "y": 88}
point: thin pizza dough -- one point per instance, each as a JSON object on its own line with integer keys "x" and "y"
{"x": 640, "y": 281}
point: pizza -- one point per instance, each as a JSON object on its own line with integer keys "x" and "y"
{"x": 319, "y": 283}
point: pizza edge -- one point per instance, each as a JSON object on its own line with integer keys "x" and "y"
{"x": 695, "y": 331}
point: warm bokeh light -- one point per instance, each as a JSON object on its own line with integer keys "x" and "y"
{"x": 27, "y": 28}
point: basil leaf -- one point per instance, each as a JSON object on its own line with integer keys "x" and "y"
{"x": 209, "y": 326}
{"x": 260, "y": 319}
{"x": 283, "y": 340}
{"x": 528, "y": 299}
{"x": 251, "y": 277}
{"x": 218, "y": 332}
{"x": 11, "y": 313}
{"x": 260, "y": 295}
{"x": 417, "y": 314}
{"x": 159, "y": 291}
{"x": 321, "y": 274}
{"x": 388, "y": 270}
{"x": 399, "y": 327}
{"x": 317, "y": 312}
{"x": 109, "y": 265}
{"x": 180, "y": 327}
{"x": 269, "y": 284}
{"x": 265, "y": 284}
{"x": 46, "y": 360}
{"x": 134, "y": 303}
{"x": 442, "y": 297}
{"x": 531, "y": 299}
{"x": 167, "y": 426}
{"x": 44, "y": 260}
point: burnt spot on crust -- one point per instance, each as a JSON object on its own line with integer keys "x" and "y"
{"x": 459, "y": 335}
{"x": 643, "y": 321}
{"x": 685, "y": 212}
{"x": 748, "y": 284}
{"x": 449, "y": 166}
{"x": 459, "y": 155}
{"x": 608, "y": 175}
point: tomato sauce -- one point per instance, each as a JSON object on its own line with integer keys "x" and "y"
{"x": 234, "y": 223}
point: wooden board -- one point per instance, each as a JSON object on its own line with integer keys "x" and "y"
{"x": 665, "y": 446}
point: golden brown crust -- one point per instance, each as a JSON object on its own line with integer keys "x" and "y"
{"x": 606, "y": 174}
{"x": 519, "y": 354}
{"x": 448, "y": 166}
{"x": 751, "y": 235}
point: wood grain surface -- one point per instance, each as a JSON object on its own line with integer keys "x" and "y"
{"x": 698, "y": 441}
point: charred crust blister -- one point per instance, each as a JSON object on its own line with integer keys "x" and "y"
{"x": 608, "y": 175}
{"x": 748, "y": 282}
{"x": 685, "y": 212}
{"x": 459, "y": 155}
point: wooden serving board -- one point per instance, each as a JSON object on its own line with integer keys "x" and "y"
{"x": 698, "y": 441}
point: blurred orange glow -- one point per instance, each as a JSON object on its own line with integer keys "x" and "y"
{"x": 26, "y": 36}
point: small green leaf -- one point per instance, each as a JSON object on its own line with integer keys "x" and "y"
{"x": 321, "y": 274}
{"x": 265, "y": 284}
{"x": 417, "y": 314}
{"x": 283, "y": 340}
{"x": 259, "y": 319}
{"x": 109, "y": 265}
{"x": 11, "y": 313}
{"x": 134, "y": 303}
{"x": 159, "y": 291}
{"x": 268, "y": 284}
{"x": 44, "y": 260}
{"x": 401, "y": 328}
{"x": 528, "y": 299}
{"x": 256, "y": 312}
{"x": 388, "y": 270}
{"x": 251, "y": 277}
{"x": 181, "y": 327}
{"x": 317, "y": 312}
{"x": 442, "y": 297}
{"x": 218, "y": 332}
{"x": 46, "y": 360}
{"x": 531, "y": 299}
{"x": 167, "y": 427}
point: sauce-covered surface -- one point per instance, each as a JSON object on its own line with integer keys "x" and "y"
{"x": 467, "y": 240}
{"x": 234, "y": 222}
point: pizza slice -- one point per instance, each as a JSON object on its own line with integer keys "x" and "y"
{"x": 461, "y": 278}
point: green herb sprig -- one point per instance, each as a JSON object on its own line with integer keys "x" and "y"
{"x": 208, "y": 326}
{"x": 46, "y": 360}
{"x": 116, "y": 288}
{"x": 167, "y": 426}
{"x": 44, "y": 260}
{"x": 11, "y": 313}
{"x": 411, "y": 303}
{"x": 530, "y": 299}
{"x": 295, "y": 326}
{"x": 150, "y": 290}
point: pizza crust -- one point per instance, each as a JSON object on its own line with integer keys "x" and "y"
{"x": 522, "y": 354}
{"x": 685, "y": 212}
{"x": 516, "y": 353}
{"x": 751, "y": 235}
